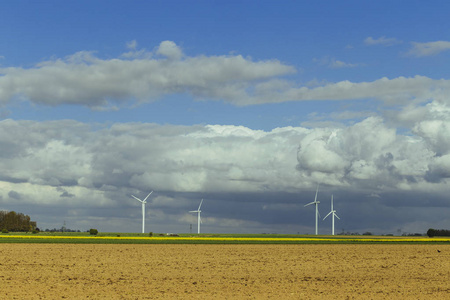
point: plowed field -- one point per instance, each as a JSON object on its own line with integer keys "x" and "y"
{"x": 75, "y": 271}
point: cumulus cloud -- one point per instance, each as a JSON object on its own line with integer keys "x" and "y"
{"x": 368, "y": 154}
{"x": 170, "y": 50}
{"x": 85, "y": 79}
{"x": 428, "y": 49}
{"x": 397, "y": 91}
{"x": 134, "y": 156}
{"x": 88, "y": 172}
{"x": 142, "y": 76}
{"x": 436, "y": 133}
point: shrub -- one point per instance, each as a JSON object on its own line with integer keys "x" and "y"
{"x": 431, "y": 232}
{"x": 150, "y": 234}
{"x": 93, "y": 231}
{"x": 4, "y": 230}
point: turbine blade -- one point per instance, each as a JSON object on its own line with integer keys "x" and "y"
{"x": 337, "y": 216}
{"x": 308, "y": 204}
{"x": 200, "y": 204}
{"x": 137, "y": 198}
{"x": 196, "y": 211}
{"x": 148, "y": 195}
{"x": 331, "y": 201}
{"x": 317, "y": 190}
{"x": 327, "y": 215}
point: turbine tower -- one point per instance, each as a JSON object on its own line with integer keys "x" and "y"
{"x": 333, "y": 212}
{"x": 143, "y": 209}
{"x": 199, "y": 220}
{"x": 317, "y": 210}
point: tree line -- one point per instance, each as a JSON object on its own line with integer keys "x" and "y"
{"x": 12, "y": 221}
{"x": 438, "y": 232}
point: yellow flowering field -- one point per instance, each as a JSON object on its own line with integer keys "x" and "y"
{"x": 214, "y": 239}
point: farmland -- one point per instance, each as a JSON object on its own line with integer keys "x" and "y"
{"x": 224, "y": 271}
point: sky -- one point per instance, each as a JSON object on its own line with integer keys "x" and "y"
{"x": 249, "y": 105}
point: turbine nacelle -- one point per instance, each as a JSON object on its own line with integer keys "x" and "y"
{"x": 315, "y": 202}
{"x": 333, "y": 212}
{"x": 145, "y": 199}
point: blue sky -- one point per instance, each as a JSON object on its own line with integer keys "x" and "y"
{"x": 227, "y": 101}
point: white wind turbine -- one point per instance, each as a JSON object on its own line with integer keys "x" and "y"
{"x": 333, "y": 212}
{"x": 317, "y": 210}
{"x": 199, "y": 220}
{"x": 143, "y": 209}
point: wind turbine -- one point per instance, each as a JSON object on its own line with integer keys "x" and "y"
{"x": 143, "y": 209}
{"x": 317, "y": 210}
{"x": 199, "y": 220}
{"x": 332, "y": 218}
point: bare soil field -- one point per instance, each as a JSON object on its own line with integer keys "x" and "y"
{"x": 76, "y": 271}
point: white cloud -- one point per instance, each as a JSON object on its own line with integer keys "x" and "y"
{"x": 368, "y": 151}
{"x": 87, "y": 80}
{"x": 370, "y": 41}
{"x": 69, "y": 166}
{"x": 436, "y": 133}
{"x": 428, "y": 49}
{"x": 334, "y": 63}
{"x": 132, "y": 45}
{"x": 218, "y": 158}
{"x": 170, "y": 50}
{"x": 174, "y": 158}
{"x": 400, "y": 90}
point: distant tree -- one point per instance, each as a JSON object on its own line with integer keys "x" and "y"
{"x": 13, "y": 221}
{"x": 412, "y": 234}
{"x": 367, "y": 233}
{"x": 93, "y": 231}
{"x": 431, "y": 232}
{"x": 438, "y": 232}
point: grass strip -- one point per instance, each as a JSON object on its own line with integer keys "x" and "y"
{"x": 75, "y": 239}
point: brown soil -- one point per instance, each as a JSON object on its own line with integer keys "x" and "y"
{"x": 55, "y": 271}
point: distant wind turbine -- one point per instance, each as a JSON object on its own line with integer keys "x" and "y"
{"x": 199, "y": 220}
{"x": 143, "y": 209}
{"x": 333, "y": 212}
{"x": 317, "y": 210}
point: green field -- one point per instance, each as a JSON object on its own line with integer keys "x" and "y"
{"x": 139, "y": 238}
